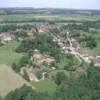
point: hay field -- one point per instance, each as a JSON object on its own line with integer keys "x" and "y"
{"x": 9, "y": 80}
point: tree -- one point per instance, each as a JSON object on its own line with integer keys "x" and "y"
{"x": 26, "y": 93}
{"x": 60, "y": 77}
{"x": 14, "y": 67}
{"x": 69, "y": 67}
{"x": 89, "y": 41}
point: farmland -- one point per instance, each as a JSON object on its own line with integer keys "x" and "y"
{"x": 9, "y": 80}
{"x": 44, "y": 18}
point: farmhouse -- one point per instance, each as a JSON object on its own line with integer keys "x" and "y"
{"x": 67, "y": 50}
{"x": 37, "y": 56}
{"x": 48, "y": 60}
{"x": 96, "y": 61}
{"x": 60, "y": 44}
{"x": 6, "y": 36}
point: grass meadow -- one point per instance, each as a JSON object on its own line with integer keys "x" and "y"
{"x": 45, "y": 86}
{"x": 8, "y": 54}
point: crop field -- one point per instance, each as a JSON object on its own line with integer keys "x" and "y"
{"x": 28, "y": 17}
{"x": 8, "y": 54}
{"x": 9, "y": 80}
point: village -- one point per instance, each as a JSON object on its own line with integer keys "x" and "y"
{"x": 49, "y": 53}
{"x": 68, "y": 45}
{"x": 75, "y": 49}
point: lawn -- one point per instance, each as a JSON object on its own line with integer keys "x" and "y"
{"x": 45, "y": 86}
{"x": 8, "y": 54}
{"x": 9, "y": 80}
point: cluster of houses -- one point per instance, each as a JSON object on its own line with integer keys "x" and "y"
{"x": 31, "y": 72}
{"x": 48, "y": 27}
{"x": 6, "y": 36}
{"x": 42, "y": 59}
{"x": 75, "y": 49}
{"x": 45, "y": 28}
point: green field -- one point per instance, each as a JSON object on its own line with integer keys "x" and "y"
{"x": 8, "y": 54}
{"x": 45, "y": 86}
{"x": 28, "y": 17}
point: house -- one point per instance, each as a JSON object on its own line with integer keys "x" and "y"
{"x": 48, "y": 60}
{"x": 30, "y": 73}
{"x": 37, "y": 56}
{"x": 75, "y": 44}
{"x": 54, "y": 39}
{"x": 96, "y": 61}
{"x": 6, "y": 36}
{"x": 98, "y": 56}
{"x": 67, "y": 50}
{"x": 41, "y": 31}
{"x": 60, "y": 44}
